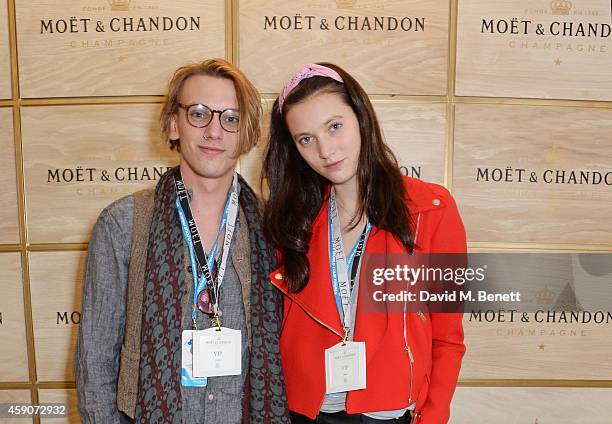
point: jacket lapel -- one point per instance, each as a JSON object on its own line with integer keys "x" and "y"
{"x": 317, "y": 298}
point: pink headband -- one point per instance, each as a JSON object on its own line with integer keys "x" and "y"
{"x": 307, "y": 71}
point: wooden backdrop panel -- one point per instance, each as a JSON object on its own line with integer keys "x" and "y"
{"x": 5, "y": 53}
{"x": 121, "y": 142}
{"x": 559, "y": 145}
{"x": 571, "y": 343}
{"x": 513, "y": 349}
{"x": 64, "y": 397}
{"x": 55, "y": 280}
{"x": 535, "y": 405}
{"x": 416, "y": 133}
{"x": 13, "y": 350}
{"x": 412, "y": 60}
{"x": 516, "y": 61}
{"x": 12, "y": 397}
{"x": 62, "y": 58}
{"x": 9, "y": 218}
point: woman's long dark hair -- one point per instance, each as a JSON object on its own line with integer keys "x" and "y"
{"x": 297, "y": 191}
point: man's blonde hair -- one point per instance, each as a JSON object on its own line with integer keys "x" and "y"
{"x": 249, "y": 101}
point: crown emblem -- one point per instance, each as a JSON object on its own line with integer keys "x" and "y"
{"x": 119, "y": 5}
{"x": 561, "y": 7}
{"x": 552, "y": 155}
{"x": 124, "y": 154}
{"x": 345, "y": 4}
{"x": 545, "y": 296}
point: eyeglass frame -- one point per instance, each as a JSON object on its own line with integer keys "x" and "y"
{"x": 213, "y": 111}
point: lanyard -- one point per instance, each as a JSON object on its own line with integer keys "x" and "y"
{"x": 345, "y": 289}
{"x": 196, "y": 250}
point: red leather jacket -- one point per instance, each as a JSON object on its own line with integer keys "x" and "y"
{"x": 312, "y": 324}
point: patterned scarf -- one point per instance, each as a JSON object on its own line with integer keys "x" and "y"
{"x": 159, "y": 393}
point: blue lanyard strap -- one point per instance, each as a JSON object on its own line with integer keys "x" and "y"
{"x": 199, "y": 283}
{"x": 344, "y": 273}
{"x": 199, "y": 259}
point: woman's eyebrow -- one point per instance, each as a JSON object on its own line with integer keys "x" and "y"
{"x": 332, "y": 118}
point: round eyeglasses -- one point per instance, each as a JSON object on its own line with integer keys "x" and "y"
{"x": 200, "y": 116}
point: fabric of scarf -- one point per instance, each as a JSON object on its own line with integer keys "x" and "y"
{"x": 266, "y": 387}
{"x": 159, "y": 393}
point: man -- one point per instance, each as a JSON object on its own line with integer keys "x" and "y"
{"x": 181, "y": 325}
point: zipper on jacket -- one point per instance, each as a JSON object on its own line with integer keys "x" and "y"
{"x": 310, "y": 314}
{"x": 410, "y": 355}
{"x": 415, "y": 415}
{"x": 411, "y": 373}
{"x": 416, "y": 231}
{"x": 406, "y": 345}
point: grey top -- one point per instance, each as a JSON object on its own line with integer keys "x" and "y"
{"x": 102, "y": 325}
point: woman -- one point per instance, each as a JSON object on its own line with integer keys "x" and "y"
{"x": 336, "y": 193}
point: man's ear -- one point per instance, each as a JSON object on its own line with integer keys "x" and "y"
{"x": 173, "y": 130}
